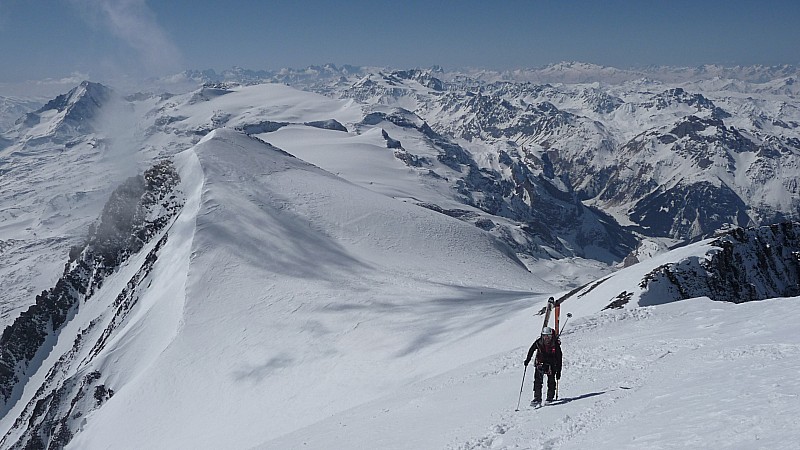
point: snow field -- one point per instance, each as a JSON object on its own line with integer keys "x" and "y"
{"x": 695, "y": 373}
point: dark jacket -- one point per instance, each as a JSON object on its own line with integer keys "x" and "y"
{"x": 548, "y": 357}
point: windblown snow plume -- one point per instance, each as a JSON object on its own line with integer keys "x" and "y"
{"x": 133, "y": 22}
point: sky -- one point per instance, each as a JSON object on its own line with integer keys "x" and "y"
{"x": 106, "y": 39}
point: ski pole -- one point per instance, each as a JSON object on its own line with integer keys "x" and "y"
{"x": 521, "y": 387}
{"x": 557, "y": 382}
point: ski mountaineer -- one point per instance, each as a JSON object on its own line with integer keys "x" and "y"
{"x": 548, "y": 362}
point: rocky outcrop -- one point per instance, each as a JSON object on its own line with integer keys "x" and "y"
{"x": 330, "y": 124}
{"x": 137, "y": 211}
{"x": 266, "y": 126}
{"x": 744, "y": 265}
{"x": 58, "y": 408}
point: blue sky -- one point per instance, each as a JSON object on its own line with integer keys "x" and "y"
{"x": 102, "y": 39}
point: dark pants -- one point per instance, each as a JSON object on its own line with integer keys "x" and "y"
{"x": 538, "y": 381}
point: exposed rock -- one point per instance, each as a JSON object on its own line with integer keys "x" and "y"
{"x": 749, "y": 264}
{"x": 136, "y": 211}
{"x": 390, "y": 143}
{"x": 330, "y": 124}
{"x": 265, "y": 126}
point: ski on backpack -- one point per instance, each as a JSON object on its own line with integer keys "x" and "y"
{"x": 556, "y": 314}
{"x": 547, "y": 311}
{"x": 553, "y": 308}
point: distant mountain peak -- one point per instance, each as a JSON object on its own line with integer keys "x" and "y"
{"x": 86, "y": 92}
{"x": 78, "y": 106}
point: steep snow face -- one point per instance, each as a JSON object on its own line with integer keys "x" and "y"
{"x": 305, "y": 296}
{"x": 68, "y": 114}
{"x": 50, "y": 377}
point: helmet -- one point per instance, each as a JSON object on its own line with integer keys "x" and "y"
{"x": 547, "y": 331}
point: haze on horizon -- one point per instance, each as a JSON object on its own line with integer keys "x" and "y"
{"x": 70, "y": 40}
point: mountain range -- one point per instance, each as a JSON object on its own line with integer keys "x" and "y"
{"x": 268, "y": 258}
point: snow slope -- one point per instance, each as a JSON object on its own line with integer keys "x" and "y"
{"x": 694, "y": 373}
{"x": 682, "y": 374}
{"x": 304, "y": 296}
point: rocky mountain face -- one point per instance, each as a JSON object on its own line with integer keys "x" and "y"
{"x": 77, "y": 108}
{"x": 138, "y": 212}
{"x": 743, "y": 265}
{"x": 547, "y": 217}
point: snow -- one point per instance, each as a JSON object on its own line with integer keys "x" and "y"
{"x": 251, "y": 104}
{"x": 308, "y": 302}
{"x": 296, "y": 310}
{"x": 302, "y": 290}
{"x": 692, "y": 373}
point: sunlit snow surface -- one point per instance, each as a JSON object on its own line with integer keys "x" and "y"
{"x": 689, "y": 374}
{"x": 305, "y": 296}
{"x": 302, "y": 327}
